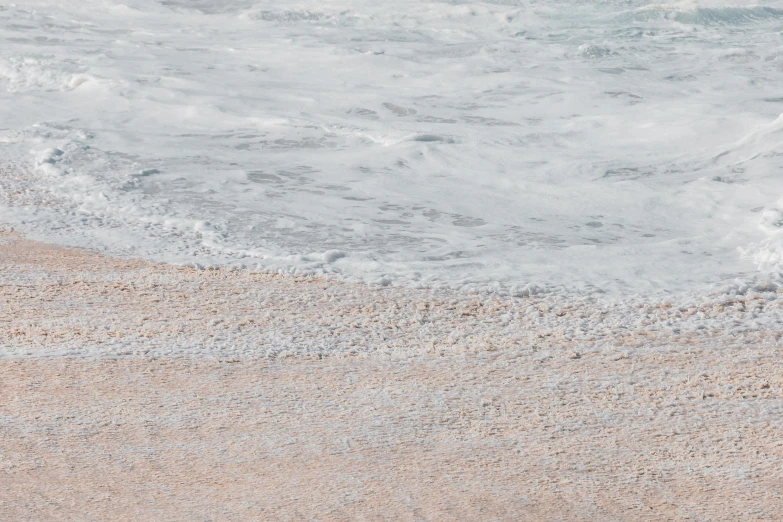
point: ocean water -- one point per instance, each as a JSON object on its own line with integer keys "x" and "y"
{"x": 522, "y": 146}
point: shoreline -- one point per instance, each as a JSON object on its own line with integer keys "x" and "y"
{"x": 58, "y": 300}
{"x": 137, "y": 390}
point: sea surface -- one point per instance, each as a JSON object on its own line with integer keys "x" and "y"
{"x": 520, "y": 146}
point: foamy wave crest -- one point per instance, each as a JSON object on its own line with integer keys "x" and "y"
{"x": 32, "y": 74}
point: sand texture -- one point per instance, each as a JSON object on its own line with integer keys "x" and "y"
{"x": 138, "y": 391}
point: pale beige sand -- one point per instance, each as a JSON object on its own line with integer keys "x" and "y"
{"x": 507, "y": 423}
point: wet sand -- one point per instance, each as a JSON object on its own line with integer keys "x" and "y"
{"x": 132, "y": 390}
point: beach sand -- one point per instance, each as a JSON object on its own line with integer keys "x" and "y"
{"x": 132, "y": 390}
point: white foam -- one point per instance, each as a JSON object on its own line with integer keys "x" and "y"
{"x": 563, "y": 146}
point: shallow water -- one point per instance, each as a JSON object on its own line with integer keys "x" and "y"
{"x": 533, "y": 146}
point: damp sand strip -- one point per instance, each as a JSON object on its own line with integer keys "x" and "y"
{"x": 142, "y": 391}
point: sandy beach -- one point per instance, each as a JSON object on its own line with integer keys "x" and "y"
{"x": 141, "y": 391}
{"x": 421, "y": 260}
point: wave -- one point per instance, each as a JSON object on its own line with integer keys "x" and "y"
{"x": 701, "y": 15}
